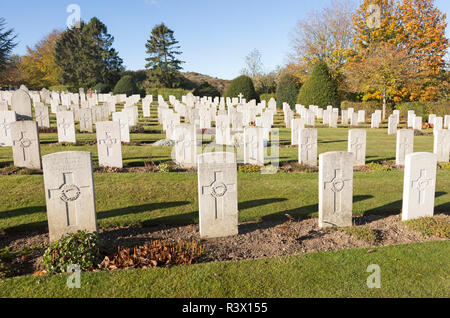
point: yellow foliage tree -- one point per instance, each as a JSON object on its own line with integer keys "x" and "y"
{"x": 39, "y": 66}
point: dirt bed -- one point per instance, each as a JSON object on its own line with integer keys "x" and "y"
{"x": 255, "y": 240}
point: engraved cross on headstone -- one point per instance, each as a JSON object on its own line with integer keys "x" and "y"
{"x": 357, "y": 146}
{"x": 218, "y": 189}
{"x": 308, "y": 146}
{"x": 421, "y": 184}
{"x": 65, "y": 125}
{"x": 336, "y": 185}
{"x": 5, "y": 125}
{"x": 109, "y": 142}
{"x": 23, "y": 143}
{"x": 68, "y": 193}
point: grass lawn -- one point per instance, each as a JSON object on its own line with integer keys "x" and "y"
{"x": 144, "y": 199}
{"x": 415, "y": 270}
{"x": 171, "y": 198}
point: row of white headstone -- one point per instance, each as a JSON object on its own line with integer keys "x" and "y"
{"x": 70, "y": 194}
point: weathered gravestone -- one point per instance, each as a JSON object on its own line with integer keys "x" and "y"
{"x": 405, "y": 145}
{"x": 26, "y": 145}
{"x": 6, "y": 118}
{"x": 69, "y": 193}
{"x": 217, "y": 194}
{"x": 442, "y": 145}
{"x": 392, "y": 125}
{"x": 253, "y": 146}
{"x": 42, "y": 116}
{"x": 419, "y": 185}
{"x": 335, "y": 189}
{"x": 66, "y": 127}
{"x": 307, "y": 148}
{"x": 109, "y": 144}
{"x": 357, "y": 146}
{"x": 21, "y": 104}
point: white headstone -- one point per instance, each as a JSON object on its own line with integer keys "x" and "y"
{"x": 66, "y": 127}
{"x": 405, "y": 145}
{"x": 419, "y": 185}
{"x": 357, "y": 146}
{"x": 335, "y": 189}
{"x": 26, "y": 145}
{"x": 109, "y": 144}
{"x": 307, "y": 148}
{"x": 217, "y": 192}
{"x": 69, "y": 193}
{"x": 441, "y": 146}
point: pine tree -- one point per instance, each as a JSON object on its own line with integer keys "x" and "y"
{"x": 86, "y": 55}
{"x": 7, "y": 43}
{"x": 163, "y": 65}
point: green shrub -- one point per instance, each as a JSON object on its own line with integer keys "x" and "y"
{"x": 242, "y": 85}
{"x": 287, "y": 91}
{"x": 126, "y": 85}
{"x": 164, "y": 167}
{"x": 319, "y": 89}
{"x": 166, "y": 92}
{"x": 423, "y": 109}
{"x": 267, "y": 97}
{"x": 370, "y": 107}
{"x": 206, "y": 89}
{"x": 82, "y": 249}
{"x": 102, "y": 88}
{"x": 362, "y": 232}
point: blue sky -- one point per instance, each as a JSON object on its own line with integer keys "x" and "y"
{"x": 215, "y": 35}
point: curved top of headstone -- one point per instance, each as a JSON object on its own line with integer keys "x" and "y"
{"x": 421, "y": 155}
{"x": 336, "y": 154}
{"x": 24, "y": 88}
{"x": 81, "y": 155}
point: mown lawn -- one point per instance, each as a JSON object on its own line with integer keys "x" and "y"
{"x": 415, "y": 270}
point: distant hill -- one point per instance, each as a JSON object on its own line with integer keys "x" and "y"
{"x": 198, "y": 78}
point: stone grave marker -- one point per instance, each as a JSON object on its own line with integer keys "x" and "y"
{"x": 26, "y": 145}
{"x": 405, "y": 145}
{"x": 217, "y": 192}
{"x": 357, "y": 146}
{"x": 69, "y": 193}
{"x": 335, "y": 189}
{"x": 419, "y": 185}
{"x": 307, "y": 148}
{"x": 66, "y": 127}
{"x": 6, "y": 118}
{"x": 109, "y": 144}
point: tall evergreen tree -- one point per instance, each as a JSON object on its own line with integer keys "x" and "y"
{"x": 163, "y": 65}
{"x": 7, "y": 43}
{"x": 86, "y": 55}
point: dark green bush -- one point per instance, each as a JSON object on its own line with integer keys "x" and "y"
{"x": 423, "y": 109}
{"x": 242, "y": 84}
{"x": 287, "y": 91}
{"x": 267, "y": 97}
{"x": 82, "y": 249}
{"x": 102, "y": 88}
{"x": 206, "y": 89}
{"x": 126, "y": 85}
{"x": 319, "y": 89}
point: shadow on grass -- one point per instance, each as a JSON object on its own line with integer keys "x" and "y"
{"x": 299, "y": 213}
{"x": 21, "y": 211}
{"x": 140, "y": 209}
{"x": 395, "y": 208}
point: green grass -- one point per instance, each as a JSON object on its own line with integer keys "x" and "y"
{"x": 415, "y": 270}
{"x": 171, "y": 198}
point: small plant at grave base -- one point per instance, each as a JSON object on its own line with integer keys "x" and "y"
{"x": 430, "y": 226}
{"x": 138, "y": 129}
{"x": 444, "y": 165}
{"x": 249, "y": 168}
{"x": 297, "y": 167}
{"x": 154, "y": 254}
{"x": 81, "y": 248}
{"x": 164, "y": 167}
{"x": 362, "y": 233}
{"x": 252, "y": 124}
{"x": 427, "y": 126}
{"x": 375, "y": 166}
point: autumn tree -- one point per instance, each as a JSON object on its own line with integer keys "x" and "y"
{"x": 12, "y": 74}
{"x": 7, "y": 44}
{"x": 163, "y": 65}
{"x": 422, "y": 34}
{"x": 39, "y": 64}
{"x": 385, "y": 71}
